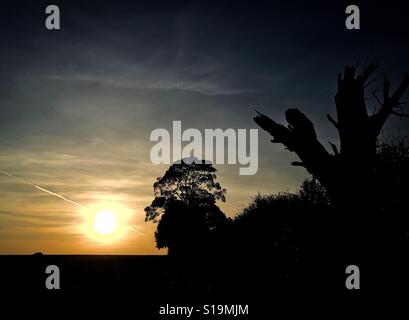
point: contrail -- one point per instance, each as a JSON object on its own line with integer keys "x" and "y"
{"x": 42, "y": 189}
{"x": 134, "y": 229}
{"x": 57, "y": 195}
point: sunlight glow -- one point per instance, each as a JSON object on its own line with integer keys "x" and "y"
{"x": 106, "y": 222}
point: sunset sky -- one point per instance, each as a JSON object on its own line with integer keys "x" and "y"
{"x": 77, "y": 105}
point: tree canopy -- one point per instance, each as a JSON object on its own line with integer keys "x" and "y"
{"x": 185, "y": 202}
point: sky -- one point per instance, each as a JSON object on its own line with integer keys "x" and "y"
{"x": 77, "y": 105}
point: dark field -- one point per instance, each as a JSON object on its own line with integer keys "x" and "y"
{"x": 142, "y": 284}
{"x": 86, "y": 272}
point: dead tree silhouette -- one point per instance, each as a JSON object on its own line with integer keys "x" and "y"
{"x": 349, "y": 174}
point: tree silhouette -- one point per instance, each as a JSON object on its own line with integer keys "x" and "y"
{"x": 393, "y": 170}
{"x": 311, "y": 191}
{"x": 358, "y": 133}
{"x": 185, "y": 201}
{"x": 279, "y": 233}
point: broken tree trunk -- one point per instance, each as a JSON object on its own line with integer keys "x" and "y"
{"x": 347, "y": 174}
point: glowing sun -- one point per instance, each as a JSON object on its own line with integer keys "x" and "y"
{"x": 106, "y": 222}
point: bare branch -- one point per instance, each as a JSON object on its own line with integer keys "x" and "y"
{"x": 369, "y": 83}
{"x": 301, "y": 139}
{"x": 332, "y": 120}
{"x": 400, "y": 114}
{"x": 280, "y": 133}
{"x": 376, "y": 97}
{"x": 379, "y": 119}
{"x": 386, "y": 86}
{"x": 401, "y": 90}
{"x": 367, "y": 72}
{"x": 334, "y": 148}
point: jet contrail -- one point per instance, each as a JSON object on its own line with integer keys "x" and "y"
{"x": 57, "y": 195}
{"x": 134, "y": 229}
{"x": 42, "y": 189}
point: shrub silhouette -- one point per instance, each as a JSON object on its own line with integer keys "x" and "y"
{"x": 277, "y": 232}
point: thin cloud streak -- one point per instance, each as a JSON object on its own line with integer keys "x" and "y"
{"x": 44, "y": 190}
